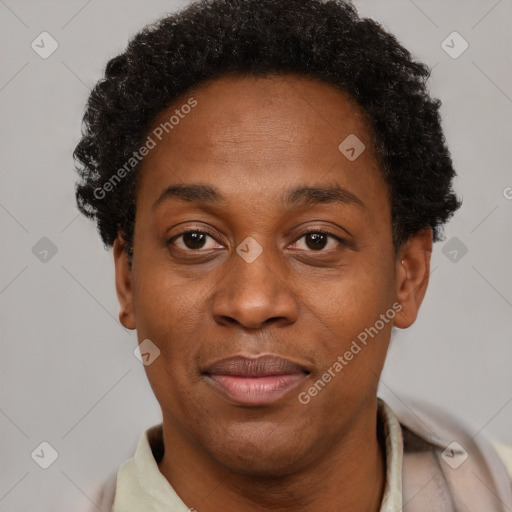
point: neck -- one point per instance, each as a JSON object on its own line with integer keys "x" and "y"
{"x": 348, "y": 475}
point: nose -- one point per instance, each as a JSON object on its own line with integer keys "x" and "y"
{"x": 254, "y": 294}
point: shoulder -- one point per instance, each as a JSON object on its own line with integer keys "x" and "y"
{"x": 104, "y": 496}
{"x": 123, "y": 485}
{"x": 505, "y": 453}
{"x": 454, "y": 454}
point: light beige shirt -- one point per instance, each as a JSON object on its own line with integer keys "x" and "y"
{"x": 141, "y": 486}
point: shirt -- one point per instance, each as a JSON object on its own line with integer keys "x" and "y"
{"x": 141, "y": 486}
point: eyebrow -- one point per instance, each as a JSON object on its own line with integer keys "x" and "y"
{"x": 298, "y": 196}
{"x": 310, "y": 196}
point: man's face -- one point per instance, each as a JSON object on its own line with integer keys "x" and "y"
{"x": 260, "y": 144}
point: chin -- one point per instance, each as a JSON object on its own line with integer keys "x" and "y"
{"x": 268, "y": 452}
{"x": 264, "y": 466}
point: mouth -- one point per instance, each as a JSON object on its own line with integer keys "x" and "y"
{"x": 255, "y": 381}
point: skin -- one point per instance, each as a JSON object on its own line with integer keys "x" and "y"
{"x": 254, "y": 139}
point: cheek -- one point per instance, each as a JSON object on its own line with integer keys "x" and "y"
{"x": 356, "y": 298}
{"x": 347, "y": 319}
{"x": 165, "y": 312}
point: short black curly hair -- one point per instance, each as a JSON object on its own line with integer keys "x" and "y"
{"x": 324, "y": 39}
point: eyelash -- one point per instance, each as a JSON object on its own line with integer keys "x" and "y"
{"x": 205, "y": 232}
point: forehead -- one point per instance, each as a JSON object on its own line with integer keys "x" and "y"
{"x": 254, "y": 134}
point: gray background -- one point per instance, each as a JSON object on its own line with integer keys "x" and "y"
{"x": 68, "y": 373}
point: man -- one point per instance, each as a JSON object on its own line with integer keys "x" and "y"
{"x": 272, "y": 175}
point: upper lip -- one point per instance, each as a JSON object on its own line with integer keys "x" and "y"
{"x": 261, "y": 366}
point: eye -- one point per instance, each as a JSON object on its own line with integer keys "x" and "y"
{"x": 316, "y": 240}
{"x": 194, "y": 240}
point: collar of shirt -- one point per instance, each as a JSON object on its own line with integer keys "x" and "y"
{"x": 141, "y": 486}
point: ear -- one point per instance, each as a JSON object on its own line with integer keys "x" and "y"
{"x": 412, "y": 276}
{"x": 124, "y": 284}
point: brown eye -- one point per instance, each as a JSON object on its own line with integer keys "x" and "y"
{"x": 316, "y": 241}
{"x": 193, "y": 240}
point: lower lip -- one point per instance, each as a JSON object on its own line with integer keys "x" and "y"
{"x": 256, "y": 390}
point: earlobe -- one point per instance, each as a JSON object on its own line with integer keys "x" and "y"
{"x": 412, "y": 276}
{"x": 123, "y": 284}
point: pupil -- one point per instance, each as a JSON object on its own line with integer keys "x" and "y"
{"x": 318, "y": 240}
{"x": 193, "y": 240}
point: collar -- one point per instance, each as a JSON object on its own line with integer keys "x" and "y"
{"x": 392, "y": 498}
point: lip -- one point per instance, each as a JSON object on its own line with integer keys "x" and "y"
{"x": 255, "y": 380}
